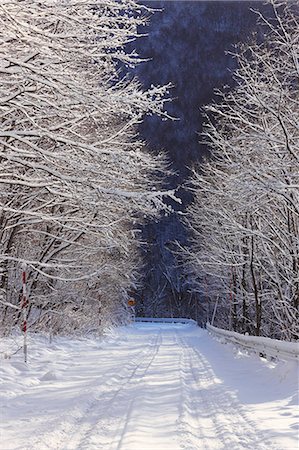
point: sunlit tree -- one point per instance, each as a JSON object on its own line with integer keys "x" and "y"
{"x": 74, "y": 176}
{"x": 245, "y": 214}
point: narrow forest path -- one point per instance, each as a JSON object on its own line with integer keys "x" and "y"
{"x": 150, "y": 387}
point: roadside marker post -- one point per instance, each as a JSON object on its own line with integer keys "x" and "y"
{"x": 24, "y": 307}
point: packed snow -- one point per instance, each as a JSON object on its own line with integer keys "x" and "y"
{"x": 161, "y": 386}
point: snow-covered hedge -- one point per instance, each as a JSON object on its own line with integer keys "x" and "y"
{"x": 257, "y": 344}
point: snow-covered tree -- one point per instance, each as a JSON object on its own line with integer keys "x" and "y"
{"x": 74, "y": 176}
{"x": 245, "y": 223}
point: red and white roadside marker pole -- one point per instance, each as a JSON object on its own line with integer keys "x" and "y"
{"x": 24, "y": 307}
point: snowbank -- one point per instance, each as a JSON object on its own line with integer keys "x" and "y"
{"x": 257, "y": 344}
{"x": 155, "y": 385}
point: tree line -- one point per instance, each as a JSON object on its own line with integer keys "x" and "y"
{"x": 75, "y": 178}
{"x": 244, "y": 250}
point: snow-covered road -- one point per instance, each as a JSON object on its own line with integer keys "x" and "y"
{"x": 148, "y": 387}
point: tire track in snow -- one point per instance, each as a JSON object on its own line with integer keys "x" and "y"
{"x": 124, "y": 423}
{"x": 110, "y": 411}
{"x": 170, "y": 379}
{"x": 54, "y": 434}
{"x": 152, "y": 421}
{"x": 217, "y": 406}
{"x": 191, "y": 435}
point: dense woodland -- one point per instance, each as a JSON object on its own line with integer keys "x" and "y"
{"x": 77, "y": 181}
{"x": 187, "y": 43}
{"x": 75, "y": 178}
{"x": 244, "y": 253}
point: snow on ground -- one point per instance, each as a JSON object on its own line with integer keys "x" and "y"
{"x": 147, "y": 387}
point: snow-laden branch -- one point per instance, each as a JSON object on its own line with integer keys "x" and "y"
{"x": 75, "y": 178}
{"x": 244, "y": 248}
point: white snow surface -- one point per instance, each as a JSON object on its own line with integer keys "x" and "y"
{"x": 149, "y": 386}
{"x": 259, "y": 344}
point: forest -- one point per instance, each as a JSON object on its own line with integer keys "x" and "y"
{"x": 80, "y": 181}
{"x": 244, "y": 251}
{"x": 75, "y": 178}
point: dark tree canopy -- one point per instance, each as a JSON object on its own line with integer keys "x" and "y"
{"x": 187, "y": 44}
